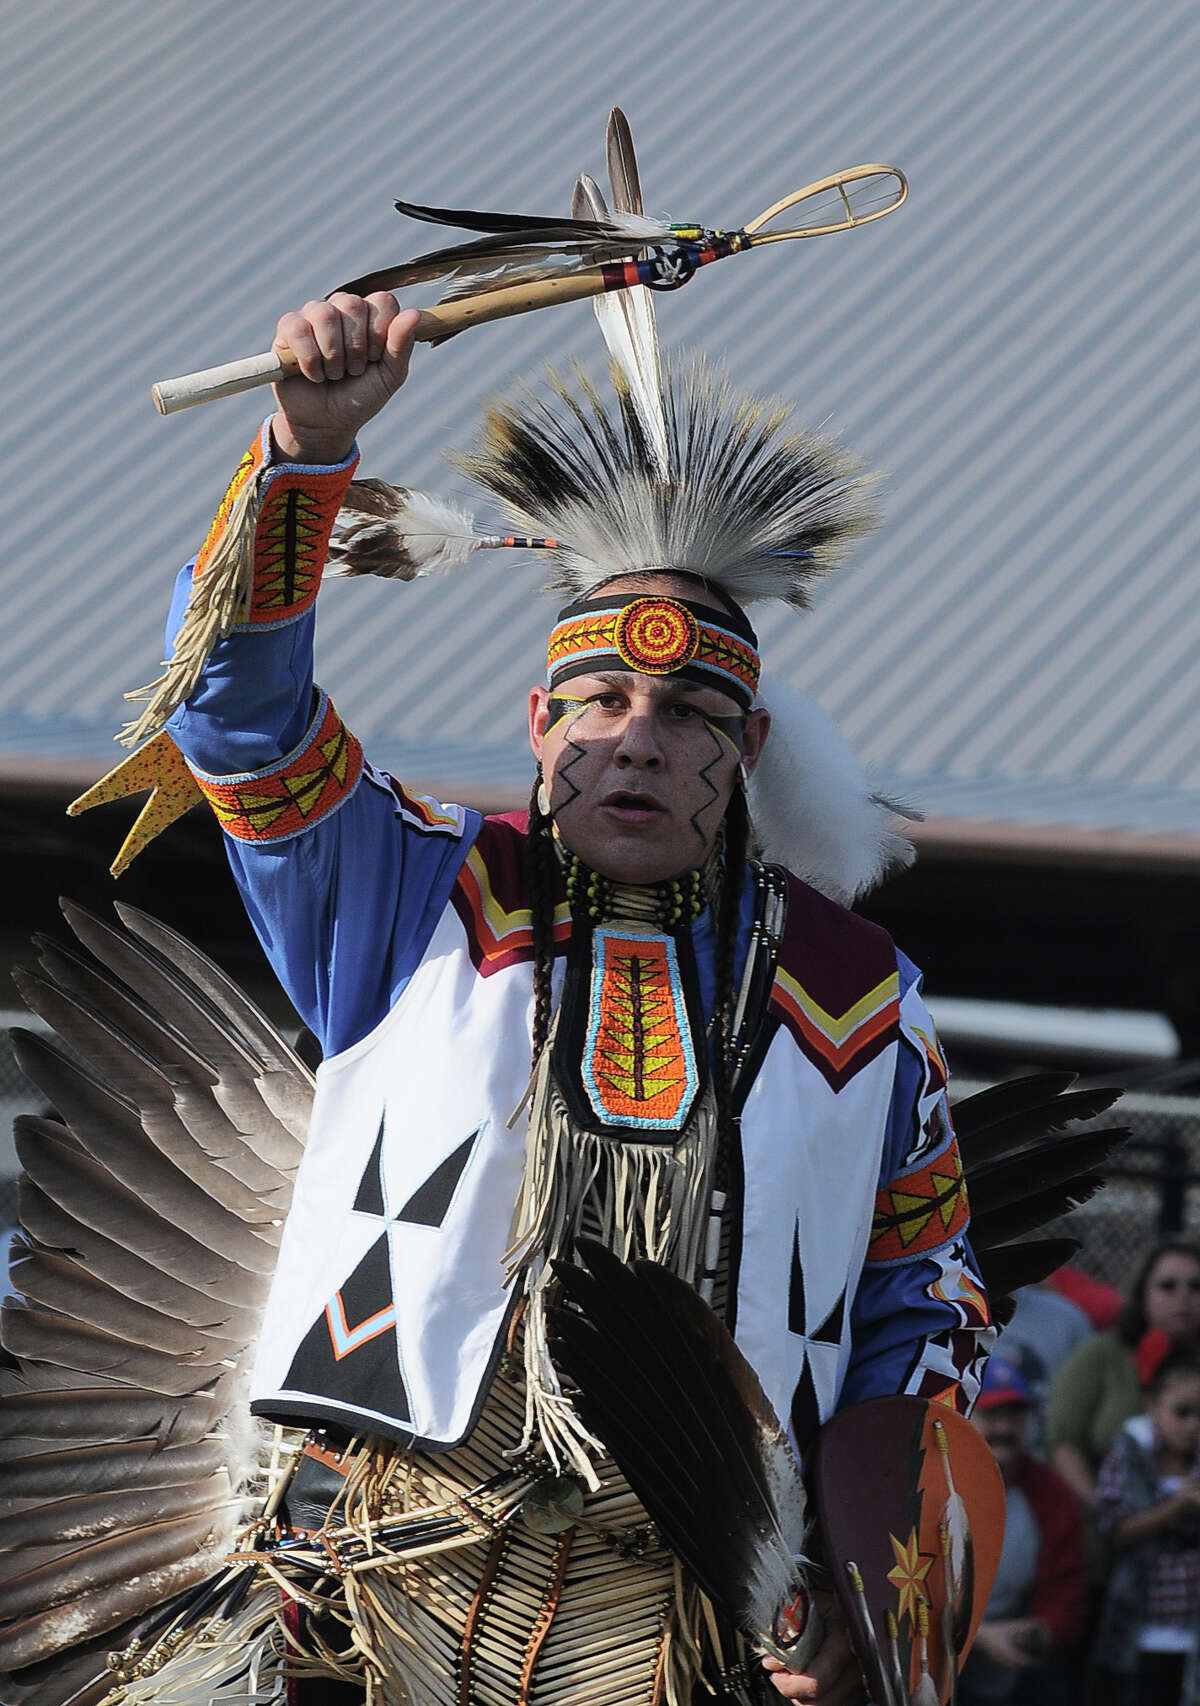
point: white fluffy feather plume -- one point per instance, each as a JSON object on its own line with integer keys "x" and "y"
{"x": 400, "y": 534}
{"x": 812, "y": 805}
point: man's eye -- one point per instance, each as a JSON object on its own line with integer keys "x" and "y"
{"x": 606, "y": 701}
{"x": 681, "y": 711}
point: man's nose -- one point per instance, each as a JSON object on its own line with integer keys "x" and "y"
{"x": 639, "y": 743}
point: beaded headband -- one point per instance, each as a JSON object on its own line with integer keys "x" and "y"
{"x": 655, "y": 635}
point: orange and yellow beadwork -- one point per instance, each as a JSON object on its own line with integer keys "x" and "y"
{"x": 274, "y": 804}
{"x": 921, "y": 1210}
{"x": 639, "y": 1066}
{"x": 656, "y": 636}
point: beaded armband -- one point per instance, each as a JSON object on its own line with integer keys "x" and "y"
{"x": 291, "y": 796}
{"x": 259, "y": 567}
{"x": 921, "y": 1210}
{"x": 297, "y": 507}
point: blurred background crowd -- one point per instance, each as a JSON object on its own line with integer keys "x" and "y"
{"x": 1091, "y": 1407}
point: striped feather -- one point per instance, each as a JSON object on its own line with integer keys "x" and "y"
{"x": 151, "y": 1215}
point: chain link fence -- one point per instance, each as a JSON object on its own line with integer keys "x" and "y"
{"x": 1153, "y": 1188}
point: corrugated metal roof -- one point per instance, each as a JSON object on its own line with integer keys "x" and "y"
{"x": 1018, "y": 347}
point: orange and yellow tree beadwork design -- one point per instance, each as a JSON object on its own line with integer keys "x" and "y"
{"x": 639, "y": 1066}
{"x": 295, "y": 520}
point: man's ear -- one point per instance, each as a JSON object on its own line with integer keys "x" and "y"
{"x": 539, "y": 710}
{"x": 754, "y": 735}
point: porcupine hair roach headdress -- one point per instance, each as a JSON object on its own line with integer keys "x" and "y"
{"x": 722, "y": 490}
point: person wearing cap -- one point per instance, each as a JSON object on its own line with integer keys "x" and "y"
{"x": 1035, "y": 1612}
{"x": 733, "y": 1073}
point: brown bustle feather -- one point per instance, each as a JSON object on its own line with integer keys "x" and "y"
{"x": 151, "y": 1219}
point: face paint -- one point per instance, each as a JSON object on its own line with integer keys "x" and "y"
{"x": 561, "y": 705}
{"x": 731, "y": 729}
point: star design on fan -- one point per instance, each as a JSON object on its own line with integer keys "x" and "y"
{"x": 907, "y": 1575}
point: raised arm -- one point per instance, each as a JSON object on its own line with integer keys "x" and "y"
{"x": 342, "y": 875}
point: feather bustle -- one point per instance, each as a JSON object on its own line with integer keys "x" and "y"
{"x": 126, "y": 1455}
{"x": 112, "y": 1260}
{"x": 90, "y": 1193}
{"x": 689, "y": 1428}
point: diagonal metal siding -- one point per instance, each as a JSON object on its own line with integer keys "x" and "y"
{"x": 1018, "y": 348}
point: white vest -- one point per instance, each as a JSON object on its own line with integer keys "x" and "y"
{"x": 389, "y": 1306}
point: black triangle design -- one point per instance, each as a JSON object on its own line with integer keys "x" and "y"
{"x": 370, "y": 1187}
{"x": 806, "y": 1410}
{"x": 830, "y": 1330}
{"x": 428, "y": 1204}
{"x": 349, "y": 1353}
{"x": 797, "y": 1306}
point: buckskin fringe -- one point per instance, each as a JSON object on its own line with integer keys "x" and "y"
{"x": 639, "y": 1199}
{"x": 219, "y": 597}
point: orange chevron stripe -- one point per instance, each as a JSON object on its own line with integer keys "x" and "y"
{"x": 502, "y": 938}
{"x": 838, "y": 1040}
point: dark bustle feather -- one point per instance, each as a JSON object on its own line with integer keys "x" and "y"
{"x": 1021, "y": 1174}
{"x": 664, "y": 1386}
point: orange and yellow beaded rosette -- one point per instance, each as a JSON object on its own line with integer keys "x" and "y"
{"x": 656, "y": 636}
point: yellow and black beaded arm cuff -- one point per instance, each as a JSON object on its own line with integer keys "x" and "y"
{"x": 291, "y": 796}
{"x": 259, "y": 567}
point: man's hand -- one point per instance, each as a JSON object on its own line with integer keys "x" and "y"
{"x": 353, "y": 353}
{"x": 833, "y": 1677}
{"x": 1014, "y": 1642}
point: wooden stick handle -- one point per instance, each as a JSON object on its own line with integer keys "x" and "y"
{"x": 192, "y": 388}
{"x": 440, "y": 322}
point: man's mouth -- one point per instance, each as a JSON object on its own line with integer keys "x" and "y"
{"x": 630, "y": 806}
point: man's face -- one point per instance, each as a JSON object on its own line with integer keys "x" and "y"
{"x": 639, "y": 768}
{"x": 1004, "y": 1426}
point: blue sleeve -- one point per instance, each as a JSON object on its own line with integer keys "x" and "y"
{"x": 345, "y": 909}
{"x": 920, "y": 1322}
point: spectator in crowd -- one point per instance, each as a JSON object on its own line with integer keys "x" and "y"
{"x": 1148, "y": 1502}
{"x": 1100, "y": 1302}
{"x": 1045, "y": 1328}
{"x": 1036, "y": 1607}
{"x": 1098, "y": 1387}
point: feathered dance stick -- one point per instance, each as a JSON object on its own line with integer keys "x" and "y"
{"x": 523, "y": 262}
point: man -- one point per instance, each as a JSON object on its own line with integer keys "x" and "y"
{"x": 732, "y": 1074}
{"x": 1036, "y": 1608}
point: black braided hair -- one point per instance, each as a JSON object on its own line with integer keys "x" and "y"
{"x": 729, "y": 902}
{"x": 540, "y": 862}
